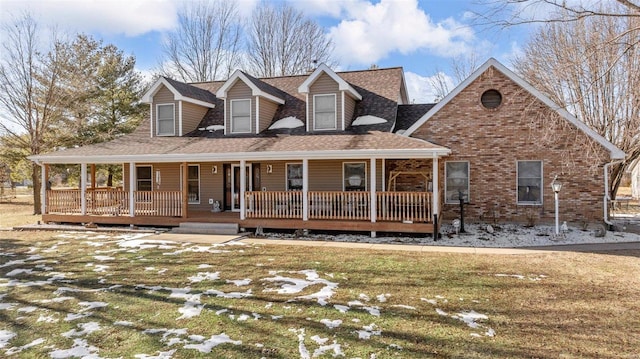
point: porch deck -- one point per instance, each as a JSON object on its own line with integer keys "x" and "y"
{"x": 345, "y": 211}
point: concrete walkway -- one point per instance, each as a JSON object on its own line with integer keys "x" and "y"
{"x": 195, "y": 238}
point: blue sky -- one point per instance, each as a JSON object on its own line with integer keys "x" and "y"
{"x": 420, "y": 36}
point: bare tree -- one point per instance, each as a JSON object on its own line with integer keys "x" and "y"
{"x": 29, "y": 95}
{"x": 462, "y": 67}
{"x": 205, "y": 47}
{"x": 591, "y": 66}
{"x": 281, "y": 41}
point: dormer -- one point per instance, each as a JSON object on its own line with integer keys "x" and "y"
{"x": 249, "y": 104}
{"x": 331, "y": 101}
{"x": 176, "y": 107}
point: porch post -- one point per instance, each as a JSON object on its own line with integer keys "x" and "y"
{"x": 44, "y": 178}
{"x": 93, "y": 175}
{"x": 83, "y": 188}
{"x": 243, "y": 188}
{"x": 305, "y": 189}
{"x": 435, "y": 200}
{"x": 185, "y": 189}
{"x": 372, "y": 189}
{"x": 132, "y": 180}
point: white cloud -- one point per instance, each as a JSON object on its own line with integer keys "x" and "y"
{"x": 420, "y": 88}
{"x": 369, "y": 32}
{"x": 127, "y": 17}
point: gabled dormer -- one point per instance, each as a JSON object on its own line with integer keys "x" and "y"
{"x": 331, "y": 100}
{"x": 249, "y": 104}
{"x": 176, "y": 107}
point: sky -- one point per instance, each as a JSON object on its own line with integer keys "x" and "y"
{"x": 422, "y": 36}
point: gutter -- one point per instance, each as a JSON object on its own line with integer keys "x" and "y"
{"x": 607, "y": 195}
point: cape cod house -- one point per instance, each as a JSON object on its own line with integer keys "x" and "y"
{"x": 341, "y": 151}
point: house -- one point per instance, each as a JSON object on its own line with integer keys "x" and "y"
{"x": 342, "y": 151}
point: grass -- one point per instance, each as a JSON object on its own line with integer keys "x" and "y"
{"x": 568, "y": 305}
{"x": 16, "y": 208}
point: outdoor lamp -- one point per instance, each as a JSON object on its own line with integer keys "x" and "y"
{"x": 556, "y": 186}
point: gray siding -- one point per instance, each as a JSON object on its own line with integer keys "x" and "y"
{"x": 239, "y": 91}
{"x": 164, "y": 96}
{"x": 349, "y": 109}
{"x": 267, "y": 111}
{"x": 191, "y": 116}
{"x": 325, "y": 85}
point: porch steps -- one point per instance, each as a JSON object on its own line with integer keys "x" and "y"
{"x": 206, "y": 228}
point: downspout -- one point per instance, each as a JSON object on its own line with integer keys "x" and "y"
{"x": 607, "y": 195}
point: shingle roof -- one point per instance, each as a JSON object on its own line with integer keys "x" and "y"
{"x": 191, "y": 91}
{"x": 409, "y": 114}
{"x": 139, "y": 143}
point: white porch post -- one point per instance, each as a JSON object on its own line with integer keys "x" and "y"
{"x": 435, "y": 201}
{"x": 243, "y": 188}
{"x": 372, "y": 189}
{"x": 305, "y": 189}
{"x": 83, "y": 188}
{"x": 132, "y": 179}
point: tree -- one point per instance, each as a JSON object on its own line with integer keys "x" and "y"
{"x": 205, "y": 47}
{"x": 591, "y": 66}
{"x": 281, "y": 41}
{"x": 30, "y": 98}
{"x": 462, "y": 66}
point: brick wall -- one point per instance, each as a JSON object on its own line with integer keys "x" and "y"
{"x": 521, "y": 128}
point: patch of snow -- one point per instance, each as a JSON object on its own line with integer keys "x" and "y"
{"x": 80, "y": 349}
{"x": 214, "y": 341}
{"x": 367, "y": 120}
{"x": 104, "y": 258}
{"x": 341, "y": 308}
{"x": 123, "y": 323}
{"x": 368, "y": 331}
{"x": 5, "y": 337}
{"x": 160, "y": 355}
{"x": 239, "y": 282}
{"x": 287, "y": 122}
{"x": 18, "y": 271}
{"x": 289, "y": 285}
{"x": 213, "y": 128}
{"x": 331, "y": 323}
{"x": 364, "y": 297}
{"x": 47, "y": 319}
{"x": 430, "y": 301}
{"x": 404, "y": 306}
{"x": 16, "y": 350}
{"x": 202, "y": 276}
{"x": 203, "y": 266}
{"x": 145, "y": 244}
{"x": 441, "y": 312}
{"x": 335, "y": 347}
{"x": 92, "y": 305}
{"x": 317, "y": 339}
{"x": 470, "y": 318}
{"x": 230, "y": 295}
{"x": 383, "y": 297}
{"x": 85, "y": 329}
{"x": 27, "y": 309}
{"x": 302, "y": 349}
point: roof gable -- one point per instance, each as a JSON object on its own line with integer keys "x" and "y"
{"x": 342, "y": 84}
{"x": 615, "y": 152}
{"x": 181, "y": 92}
{"x": 258, "y": 88}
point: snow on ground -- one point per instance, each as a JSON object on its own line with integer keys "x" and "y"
{"x": 478, "y": 235}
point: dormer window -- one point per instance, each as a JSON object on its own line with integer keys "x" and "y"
{"x": 240, "y": 116}
{"x": 324, "y": 112}
{"x": 165, "y": 120}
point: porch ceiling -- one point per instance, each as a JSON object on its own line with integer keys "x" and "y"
{"x": 184, "y": 149}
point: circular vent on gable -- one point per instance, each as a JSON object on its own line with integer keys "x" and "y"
{"x": 491, "y": 99}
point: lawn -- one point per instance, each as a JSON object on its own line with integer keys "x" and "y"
{"x": 112, "y": 295}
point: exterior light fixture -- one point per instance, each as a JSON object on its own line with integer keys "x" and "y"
{"x": 556, "y": 186}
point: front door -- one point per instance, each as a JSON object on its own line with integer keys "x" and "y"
{"x": 235, "y": 185}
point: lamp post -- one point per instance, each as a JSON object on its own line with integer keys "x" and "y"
{"x": 556, "y": 186}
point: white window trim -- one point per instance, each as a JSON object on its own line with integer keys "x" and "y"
{"x": 199, "y": 181}
{"x": 366, "y": 184}
{"x": 468, "y": 183}
{"x": 335, "y": 112}
{"x": 518, "y": 203}
{"x": 231, "y": 116}
{"x": 286, "y": 174}
{"x": 173, "y": 128}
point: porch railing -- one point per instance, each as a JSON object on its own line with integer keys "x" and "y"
{"x": 115, "y": 202}
{"x": 337, "y": 205}
{"x": 274, "y": 204}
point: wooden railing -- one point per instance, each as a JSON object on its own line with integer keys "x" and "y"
{"x": 404, "y": 206}
{"x": 274, "y": 204}
{"x": 65, "y": 201}
{"x": 107, "y": 202}
{"x": 353, "y": 206}
{"x": 115, "y": 202}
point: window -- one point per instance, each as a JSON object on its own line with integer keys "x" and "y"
{"x": 529, "y": 182}
{"x": 294, "y": 176}
{"x": 240, "y": 116}
{"x": 491, "y": 99}
{"x": 355, "y": 176}
{"x": 165, "y": 116}
{"x": 193, "y": 184}
{"x": 456, "y": 181}
{"x": 324, "y": 112}
{"x": 143, "y": 178}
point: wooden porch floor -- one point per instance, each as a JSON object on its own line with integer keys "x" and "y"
{"x": 234, "y": 217}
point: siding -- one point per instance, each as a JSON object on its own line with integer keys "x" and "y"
{"x": 325, "y": 85}
{"x": 349, "y": 109}
{"x": 164, "y": 96}
{"x": 191, "y": 116}
{"x": 239, "y": 91}
{"x": 267, "y": 111}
